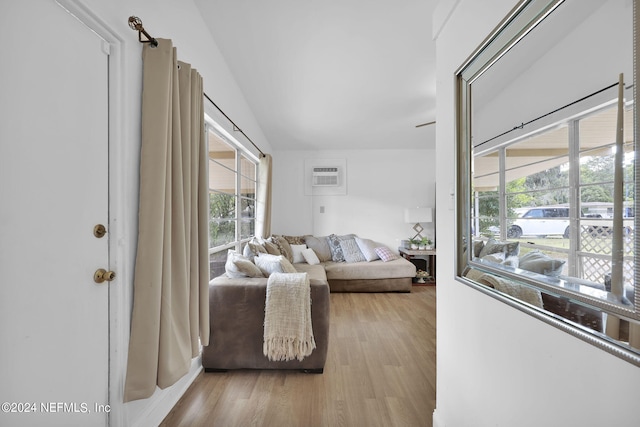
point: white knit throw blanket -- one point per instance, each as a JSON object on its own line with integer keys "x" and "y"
{"x": 288, "y": 333}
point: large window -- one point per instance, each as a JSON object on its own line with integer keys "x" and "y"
{"x": 537, "y": 210}
{"x": 546, "y": 194}
{"x": 232, "y": 198}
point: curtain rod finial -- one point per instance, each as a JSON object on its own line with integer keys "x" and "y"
{"x": 135, "y": 23}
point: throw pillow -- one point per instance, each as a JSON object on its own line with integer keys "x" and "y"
{"x": 238, "y": 266}
{"x": 496, "y": 258}
{"x": 512, "y": 261}
{"x": 287, "y": 267}
{"x": 246, "y": 267}
{"x": 386, "y": 254}
{"x": 271, "y": 247}
{"x": 351, "y": 251}
{"x": 477, "y": 247}
{"x": 336, "y": 250}
{"x": 297, "y": 253}
{"x": 310, "y": 256}
{"x": 320, "y": 246}
{"x": 368, "y": 248}
{"x": 252, "y": 249}
{"x": 230, "y": 268}
{"x": 512, "y": 249}
{"x": 492, "y": 246}
{"x": 268, "y": 264}
{"x": 516, "y": 290}
{"x": 284, "y": 247}
{"x": 295, "y": 240}
{"x": 541, "y": 263}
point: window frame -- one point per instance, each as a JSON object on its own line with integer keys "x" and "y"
{"x": 240, "y": 153}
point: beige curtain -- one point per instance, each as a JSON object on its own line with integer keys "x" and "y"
{"x": 263, "y": 210}
{"x": 614, "y": 324}
{"x": 170, "y": 299}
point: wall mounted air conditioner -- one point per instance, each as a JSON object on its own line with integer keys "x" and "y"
{"x": 327, "y": 176}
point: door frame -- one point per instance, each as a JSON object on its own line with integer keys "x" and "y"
{"x": 118, "y": 228}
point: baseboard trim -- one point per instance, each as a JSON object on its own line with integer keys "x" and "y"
{"x": 163, "y": 401}
{"x": 437, "y": 421}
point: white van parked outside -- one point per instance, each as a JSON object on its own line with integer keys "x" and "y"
{"x": 541, "y": 221}
{"x": 554, "y": 220}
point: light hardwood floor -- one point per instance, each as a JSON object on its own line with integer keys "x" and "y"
{"x": 380, "y": 371}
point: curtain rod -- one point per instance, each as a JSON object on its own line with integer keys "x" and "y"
{"x": 135, "y": 24}
{"x": 235, "y": 127}
{"x": 521, "y": 126}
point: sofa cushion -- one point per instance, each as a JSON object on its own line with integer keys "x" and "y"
{"x": 351, "y": 251}
{"x": 378, "y": 269}
{"x": 315, "y": 272}
{"x": 368, "y": 248}
{"x": 320, "y": 246}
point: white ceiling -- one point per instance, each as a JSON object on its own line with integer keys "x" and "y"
{"x": 333, "y": 74}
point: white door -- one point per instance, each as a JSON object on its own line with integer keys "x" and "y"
{"x": 54, "y": 323}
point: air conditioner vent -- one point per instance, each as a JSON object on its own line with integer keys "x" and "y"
{"x": 325, "y": 176}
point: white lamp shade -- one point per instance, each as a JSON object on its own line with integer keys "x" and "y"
{"x": 415, "y": 215}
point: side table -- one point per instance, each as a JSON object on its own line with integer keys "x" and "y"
{"x": 429, "y": 255}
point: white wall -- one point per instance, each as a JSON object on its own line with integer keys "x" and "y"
{"x": 179, "y": 20}
{"x": 380, "y": 184}
{"x": 495, "y": 365}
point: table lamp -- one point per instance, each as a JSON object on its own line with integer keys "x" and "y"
{"x": 416, "y": 216}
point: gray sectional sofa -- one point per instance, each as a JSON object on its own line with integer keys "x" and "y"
{"x": 374, "y": 276}
{"x": 236, "y": 315}
{"x": 237, "y": 298}
{"x": 355, "y": 264}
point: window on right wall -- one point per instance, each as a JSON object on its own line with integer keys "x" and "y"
{"x": 546, "y": 140}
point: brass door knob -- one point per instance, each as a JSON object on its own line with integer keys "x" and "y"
{"x": 102, "y": 275}
{"x": 99, "y": 231}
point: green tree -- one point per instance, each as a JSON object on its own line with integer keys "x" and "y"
{"x": 555, "y": 180}
{"x": 222, "y": 208}
{"x": 601, "y": 169}
{"x": 522, "y": 199}
{"x": 597, "y": 169}
{"x": 595, "y": 193}
{"x": 488, "y": 210}
{"x": 489, "y": 203}
{"x": 629, "y": 179}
